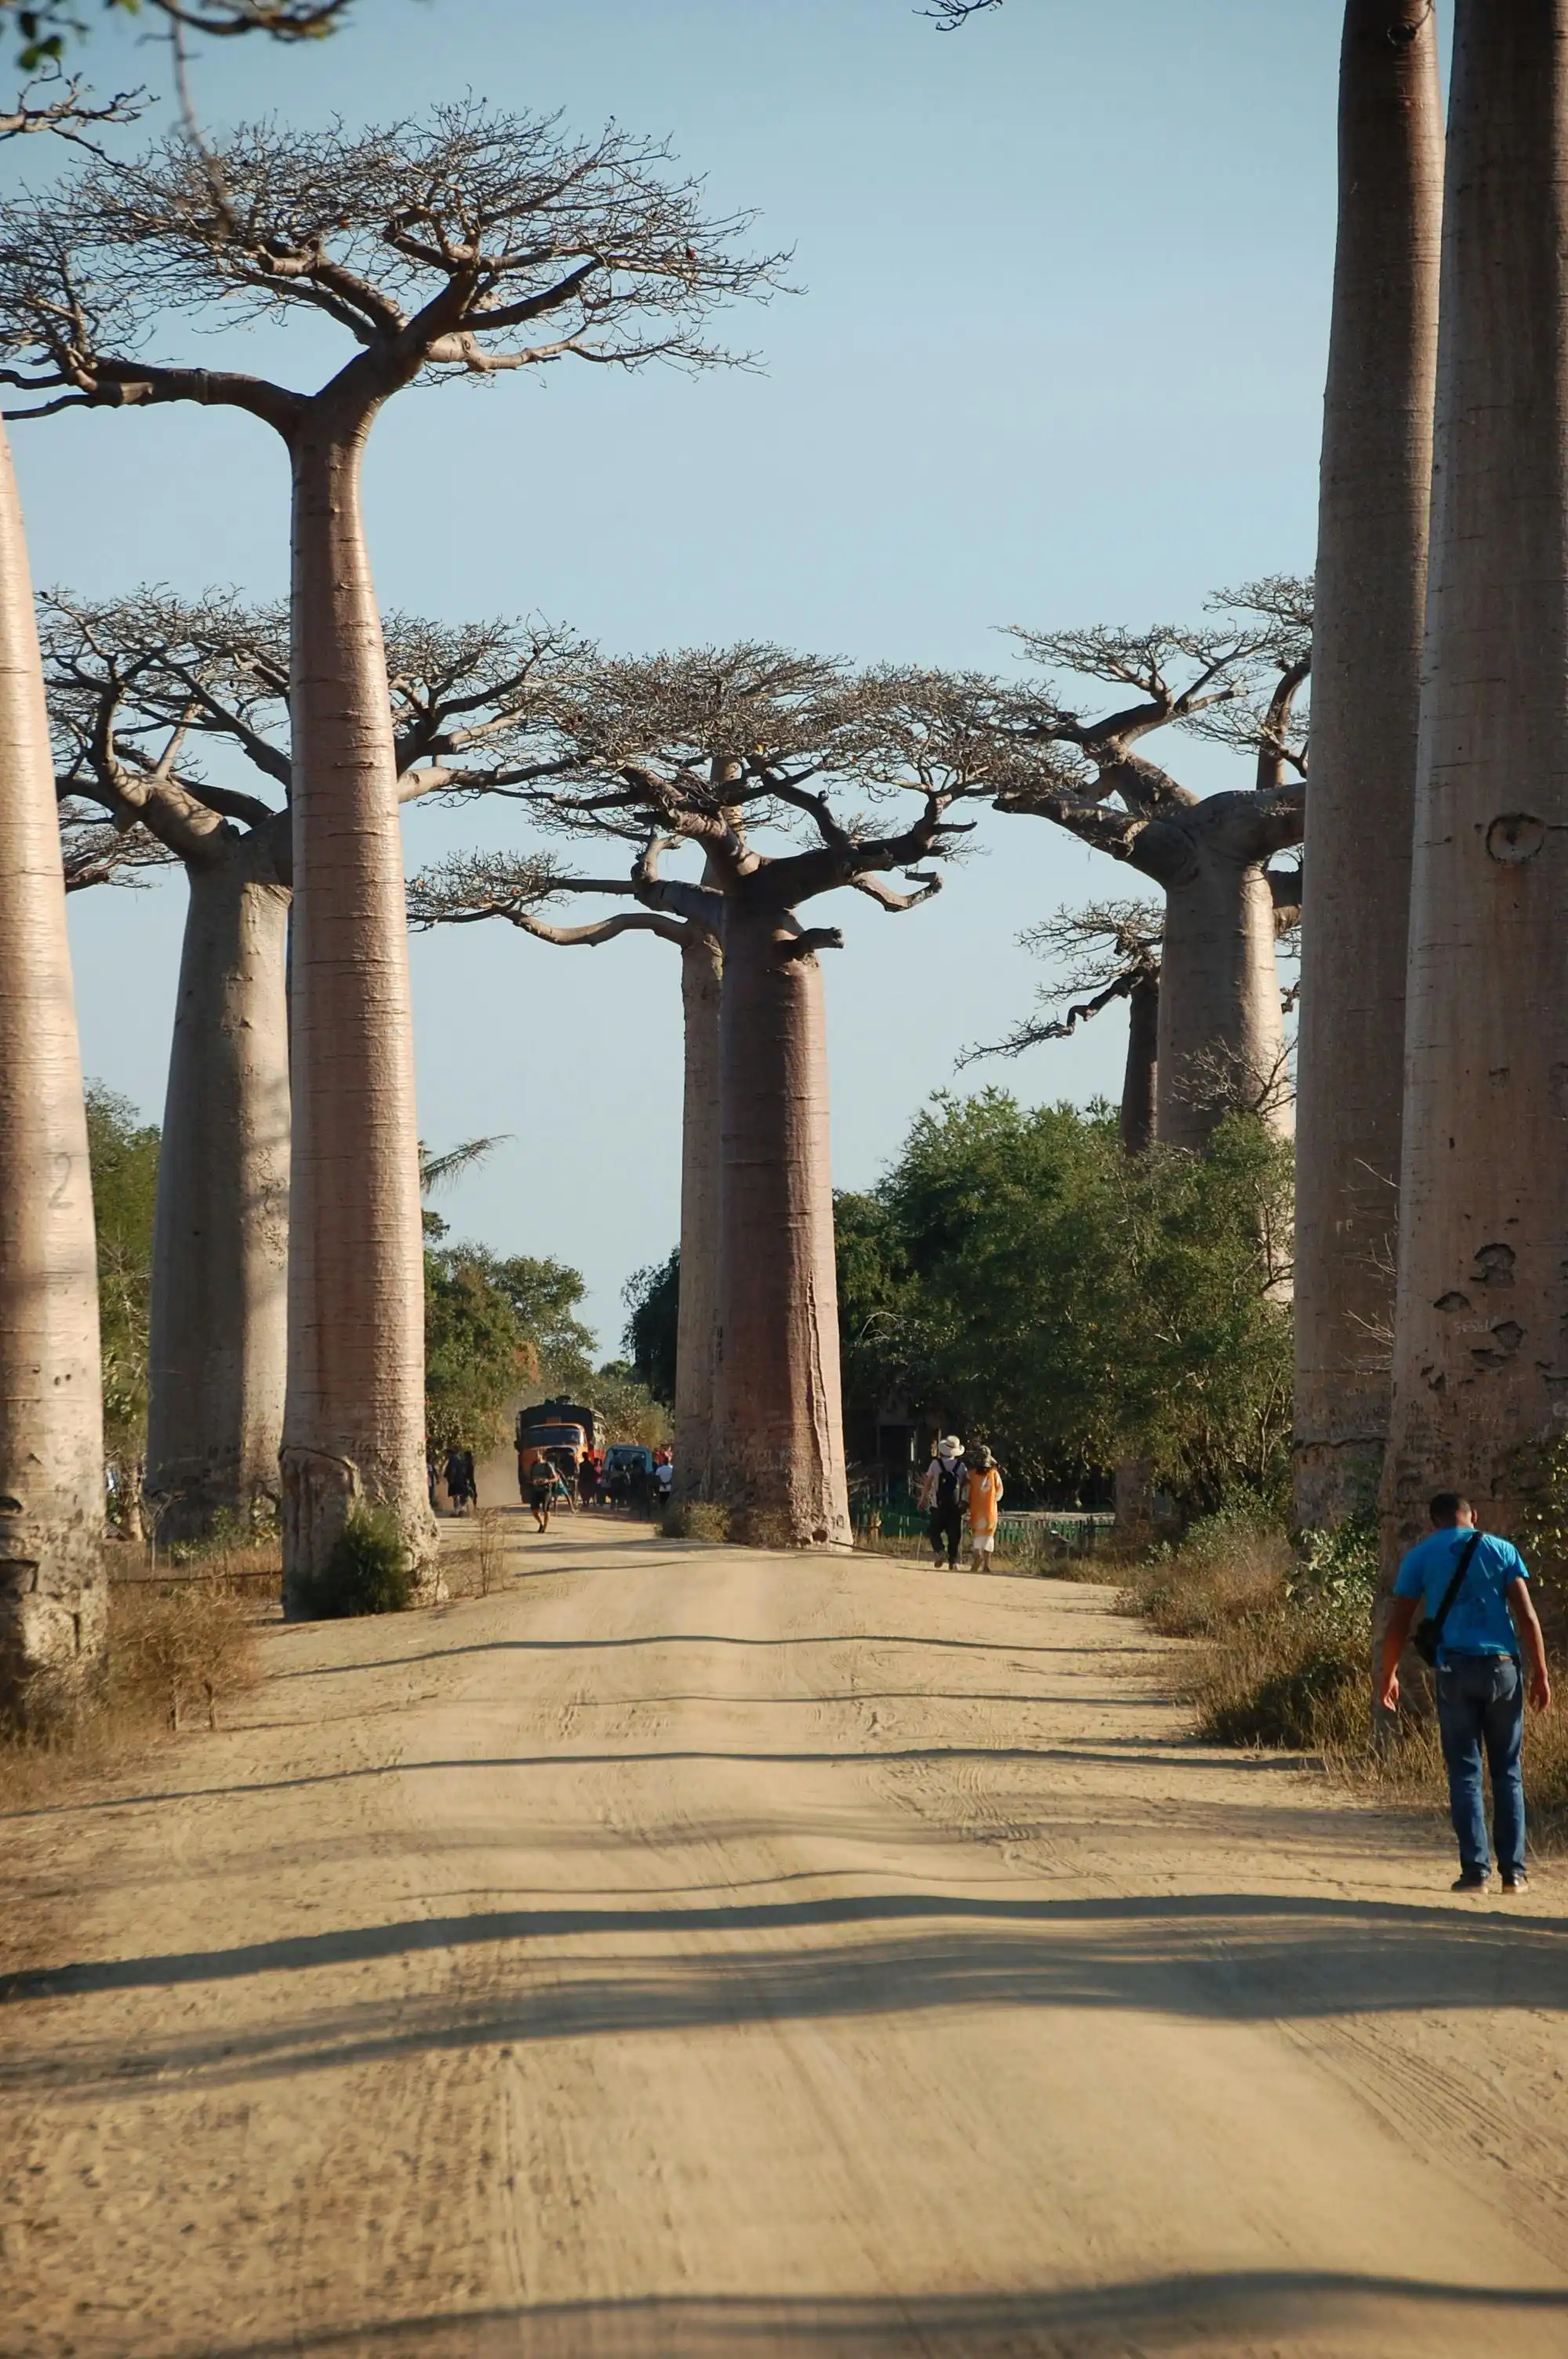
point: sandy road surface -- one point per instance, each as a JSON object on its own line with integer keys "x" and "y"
{"x": 696, "y": 1953}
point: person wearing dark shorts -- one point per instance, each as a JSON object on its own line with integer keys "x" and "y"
{"x": 541, "y": 1491}
{"x": 1472, "y": 1587}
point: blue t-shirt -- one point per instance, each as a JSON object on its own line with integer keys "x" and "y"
{"x": 1478, "y": 1621}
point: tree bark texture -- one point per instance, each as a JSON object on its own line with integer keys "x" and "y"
{"x": 1367, "y": 650}
{"x": 1480, "y": 1357}
{"x": 218, "y": 1352}
{"x": 1221, "y": 1034}
{"x": 1139, "y": 1080}
{"x": 354, "y": 1418}
{"x": 702, "y": 970}
{"x": 52, "y": 1597}
{"x": 778, "y": 1438}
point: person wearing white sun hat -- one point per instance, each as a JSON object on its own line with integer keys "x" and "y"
{"x": 944, "y": 1494}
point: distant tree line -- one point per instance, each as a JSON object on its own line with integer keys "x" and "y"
{"x": 1016, "y": 1275}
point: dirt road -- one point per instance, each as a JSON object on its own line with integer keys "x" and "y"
{"x": 702, "y": 1952}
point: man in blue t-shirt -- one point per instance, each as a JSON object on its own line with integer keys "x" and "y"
{"x": 1480, "y": 1695}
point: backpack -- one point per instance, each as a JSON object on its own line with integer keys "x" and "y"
{"x": 947, "y": 1480}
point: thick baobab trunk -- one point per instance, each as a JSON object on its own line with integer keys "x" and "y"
{"x": 1367, "y": 643}
{"x": 1221, "y": 1034}
{"x": 702, "y": 968}
{"x": 52, "y": 1600}
{"x": 1139, "y": 1080}
{"x": 218, "y": 1349}
{"x": 778, "y": 1418}
{"x": 354, "y": 1419}
{"x": 1481, "y": 1318}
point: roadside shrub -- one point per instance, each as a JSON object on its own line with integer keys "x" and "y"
{"x": 179, "y": 1645}
{"x": 175, "y": 1647}
{"x": 367, "y": 1571}
{"x": 1285, "y": 1678}
{"x": 1232, "y": 1567}
{"x": 695, "y": 1519}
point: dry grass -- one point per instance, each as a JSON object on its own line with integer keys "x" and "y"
{"x": 1279, "y": 1664}
{"x": 695, "y": 1519}
{"x": 179, "y": 1650}
{"x": 490, "y": 1550}
{"x": 1199, "y": 1597}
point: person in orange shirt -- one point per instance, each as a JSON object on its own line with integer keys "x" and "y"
{"x": 985, "y": 1500}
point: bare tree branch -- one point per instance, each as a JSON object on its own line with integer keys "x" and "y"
{"x": 432, "y": 244}
{"x": 1113, "y": 948}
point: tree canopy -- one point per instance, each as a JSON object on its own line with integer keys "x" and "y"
{"x": 466, "y": 243}
{"x": 1017, "y": 1273}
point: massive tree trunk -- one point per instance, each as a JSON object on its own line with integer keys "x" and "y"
{"x": 354, "y": 1421}
{"x": 1480, "y": 1368}
{"x": 1140, "y": 1078}
{"x": 218, "y": 1349}
{"x": 702, "y": 968}
{"x": 778, "y": 1420}
{"x": 1221, "y": 1034}
{"x": 52, "y": 1601}
{"x": 1371, "y": 586}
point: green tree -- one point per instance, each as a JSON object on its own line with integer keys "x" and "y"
{"x": 544, "y": 1295}
{"x": 1017, "y": 1273}
{"x": 123, "y": 1151}
{"x": 652, "y": 1297}
{"x": 628, "y": 1411}
{"x": 476, "y": 1354}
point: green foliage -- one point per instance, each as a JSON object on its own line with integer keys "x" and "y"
{"x": 1336, "y": 1572}
{"x": 367, "y": 1571}
{"x": 628, "y": 1411}
{"x": 495, "y": 1328}
{"x": 652, "y": 1297}
{"x": 122, "y": 1152}
{"x": 1020, "y": 1276}
{"x": 543, "y": 1296}
{"x": 475, "y": 1355}
{"x": 1539, "y": 1476}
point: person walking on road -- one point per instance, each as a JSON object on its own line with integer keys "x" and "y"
{"x": 1473, "y": 1587}
{"x": 985, "y": 1502}
{"x": 943, "y": 1494}
{"x": 460, "y": 1484}
{"x": 542, "y": 1481}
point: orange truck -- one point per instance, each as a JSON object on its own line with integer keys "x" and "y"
{"x": 560, "y": 1430}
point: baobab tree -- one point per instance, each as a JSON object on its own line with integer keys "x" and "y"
{"x": 142, "y": 689}
{"x": 1113, "y": 953}
{"x": 1480, "y": 1380}
{"x": 471, "y": 888}
{"x": 1220, "y": 1035}
{"x": 473, "y": 244}
{"x": 747, "y": 754}
{"x": 52, "y": 1607}
{"x": 1367, "y": 646}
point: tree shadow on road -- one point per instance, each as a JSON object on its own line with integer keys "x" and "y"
{"x": 1366, "y": 2317}
{"x": 500, "y": 1975}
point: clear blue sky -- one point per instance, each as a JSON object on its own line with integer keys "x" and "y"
{"x": 1059, "y": 358}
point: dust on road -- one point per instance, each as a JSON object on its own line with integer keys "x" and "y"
{"x": 697, "y": 1952}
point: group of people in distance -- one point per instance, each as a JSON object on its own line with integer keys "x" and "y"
{"x": 955, "y": 1486}
{"x": 594, "y": 1481}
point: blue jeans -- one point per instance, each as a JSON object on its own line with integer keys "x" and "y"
{"x": 1480, "y": 1701}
